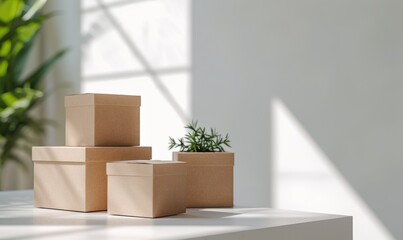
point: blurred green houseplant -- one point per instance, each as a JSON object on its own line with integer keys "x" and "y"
{"x": 21, "y": 92}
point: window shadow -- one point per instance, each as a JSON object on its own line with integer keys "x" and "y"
{"x": 148, "y": 69}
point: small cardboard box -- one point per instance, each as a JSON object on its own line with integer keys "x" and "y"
{"x": 146, "y": 188}
{"x": 102, "y": 120}
{"x": 74, "y": 178}
{"x": 210, "y": 179}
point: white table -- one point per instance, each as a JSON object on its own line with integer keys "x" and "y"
{"x": 20, "y": 220}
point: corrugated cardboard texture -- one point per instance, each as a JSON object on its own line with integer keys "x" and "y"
{"x": 152, "y": 190}
{"x": 102, "y": 120}
{"x": 210, "y": 179}
{"x": 74, "y": 178}
{"x": 60, "y": 186}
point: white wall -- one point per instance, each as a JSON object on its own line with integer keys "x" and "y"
{"x": 141, "y": 48}
{"x": 337, "y": 67}
{"x": 61, "y": 31}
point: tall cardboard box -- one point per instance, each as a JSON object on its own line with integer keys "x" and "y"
{"x": 210, "y": 181}
{"x": 74, "y": 178}
{"x": 146, "y": 188}
{"x": 102, "y": 120}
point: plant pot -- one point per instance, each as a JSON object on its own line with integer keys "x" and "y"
{"x": 210, "y": 178}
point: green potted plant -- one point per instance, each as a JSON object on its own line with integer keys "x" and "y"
{"x": 210, "y": 167}
{"x": 20, "y": 92}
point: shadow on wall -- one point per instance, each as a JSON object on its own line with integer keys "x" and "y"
{"x": 335, "y": 64}
{"x": 361, "y": 138}
{"x": 148, "y": 69}
{"x": 305, "y": 179}
{"x": 141, "y": 48}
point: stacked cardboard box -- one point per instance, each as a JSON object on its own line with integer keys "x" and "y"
{"x": 103, "y": 128}
{"x": 99, "y": 128}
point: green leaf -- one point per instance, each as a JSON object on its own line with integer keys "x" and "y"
{"x": 36, "y": 77}
{"x": 9, "y": 98}
{"x": 5, "y": 48}
{"x": 18, "y": 23}
{"x": 3, "y": 68}
{"x": 17, "y": 101}
{"x": 3, "y": 31}
{"x": 19, "y": 61}
{"x": 10, "y": 9}
{"x": 26, "y": 32}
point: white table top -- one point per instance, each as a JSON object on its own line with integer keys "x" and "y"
{"x": 20, "y": 220}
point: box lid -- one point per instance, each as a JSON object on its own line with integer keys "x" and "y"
{"x": 146, "y": 168}
{"x": 205, "y": 158}
{"x": 85, "y": 154}
{"x": 91, "y": 99}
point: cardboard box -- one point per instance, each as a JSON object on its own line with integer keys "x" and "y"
{"x": 210, "y": 181}
{"x": 102, "y": 120}
{"x": 146, "y": 188}
{"x": 74, "y": 178}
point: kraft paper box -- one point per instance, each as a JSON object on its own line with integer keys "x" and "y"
{"x": 146, "y": 188}
{"x": 210, "y": 178}
{"x": 74, "y": 178}
{"x": 102, "y": 120}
